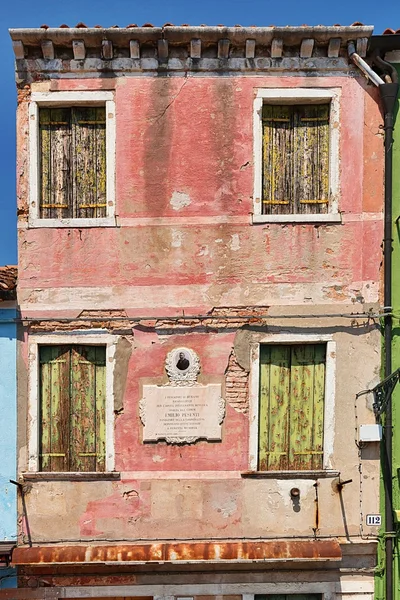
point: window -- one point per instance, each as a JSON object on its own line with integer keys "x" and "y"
{"x": 72, "y": 162}
{"x": 292, "y": 388}
{"x": 72, "y": 148}
{"x": 292, "y": 393}
{"x": 72, "y": 408}
{"x": 295, "y": 159}
{"x": 296, "y": 155}
{"x": 71, "y": 402}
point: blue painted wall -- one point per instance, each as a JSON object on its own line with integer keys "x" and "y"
{"x": 8, "y": 435}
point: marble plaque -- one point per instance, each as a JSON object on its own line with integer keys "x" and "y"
{"x": 182, "y": 414}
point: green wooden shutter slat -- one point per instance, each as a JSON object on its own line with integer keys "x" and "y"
{"x": 306, "y": 407}
{"x": 100, "y": 367}
{"x": 301, "y": 404}
{"x": 263, "y": 434}
{"x": 54, "y": 398}
{"x": 275, "y": 379}
{"x": 83, "y": 445}
{"x": 279, "y": 398}
{"x": 45, "y": 410}
{"x": 318, "y": 408}
{"x": 277, "y": 161}
{"x": 88, "y": 414}
{"x": 291, "y": 412}
{"x": 72, "y": 408}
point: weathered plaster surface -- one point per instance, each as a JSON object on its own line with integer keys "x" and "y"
{"x": 197, "y": 490}
{"x": 184, "y": 244}
{"x": 166, "y": 178}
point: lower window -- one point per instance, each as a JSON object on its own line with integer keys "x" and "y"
{"x": 72, "y": 386}
{"x": 291, "y": 411}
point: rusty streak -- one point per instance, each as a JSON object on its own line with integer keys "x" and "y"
{"x": 180, "y": 552}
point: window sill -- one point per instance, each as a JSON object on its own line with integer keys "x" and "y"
{"x": 326, "y": 218}
{"x": 322, "y": 474}
{"x": 80, "y": 223}
{"x": 67, "y": 476}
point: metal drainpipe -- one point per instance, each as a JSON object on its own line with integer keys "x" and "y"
{"x": 388, "y": 93}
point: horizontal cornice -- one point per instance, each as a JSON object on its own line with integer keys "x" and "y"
{"x": 181, "y": 48}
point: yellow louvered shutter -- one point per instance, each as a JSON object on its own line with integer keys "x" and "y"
{"x": 295, "y": 159}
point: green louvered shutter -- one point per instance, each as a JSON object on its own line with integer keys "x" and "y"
{"x": 274, "y": 403}
{"x": 72, "y": 408}
{"x": 295, "y": 159}
{"x": 292, "y": 384}
{"x": 54, "y": 408}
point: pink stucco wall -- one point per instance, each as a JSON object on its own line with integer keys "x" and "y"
{"x": 193, "y": 136}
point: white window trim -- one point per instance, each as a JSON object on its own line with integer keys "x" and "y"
{"x": 329, "y": 398}
{"x": 56, "y": 339}
{"x": 95, "y": 98}
{"x": 298, "y": 96}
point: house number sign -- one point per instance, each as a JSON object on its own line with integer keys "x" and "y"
{"x": 373, "y": 520}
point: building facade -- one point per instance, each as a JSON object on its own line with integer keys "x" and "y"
{"x": 200, "y": 228}
{"x": 8, "y": 418}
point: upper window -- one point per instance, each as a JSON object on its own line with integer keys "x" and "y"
{"x": 72, "y": 162}
{"x": 296, "y": 155}
{"x": 72, "y": 143}
{"x": 295, "y": 159}
{"x": 292, "y": 390}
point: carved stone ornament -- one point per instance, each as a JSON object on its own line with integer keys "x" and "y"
{"x": 182, "y": 411}
{"x": 182, "y": 366}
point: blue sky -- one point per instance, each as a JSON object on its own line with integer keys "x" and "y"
{"x": 28, "y": 13}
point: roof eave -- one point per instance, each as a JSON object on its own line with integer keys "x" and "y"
{"x": 94, "y": 35}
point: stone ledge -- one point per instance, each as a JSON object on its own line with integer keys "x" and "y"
{"x": 67, "y": 476}
{"x": 322, "y": 474}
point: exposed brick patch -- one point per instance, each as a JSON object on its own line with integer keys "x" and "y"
{"x": 223, "y": 318}
{"x": 112, "y": 320}
{"x": 24, "y": 94}
{"x": 237, "y": 385}
{"x": 220, "y": 318}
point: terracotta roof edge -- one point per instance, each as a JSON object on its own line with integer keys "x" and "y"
{"x": 25, "y": 34}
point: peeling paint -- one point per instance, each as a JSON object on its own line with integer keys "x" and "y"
{"x": 180, "y": 200}
{"x": 122, "y": 357}
{"x": 235, "y": 242}
{"x": 177, "y": 238}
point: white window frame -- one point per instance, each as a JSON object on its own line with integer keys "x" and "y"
{"x": 292, "y": 96}
{"x": 67, "y": 99}
{"x": 329, "y": 397}
{"x": 74, "y": 338}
